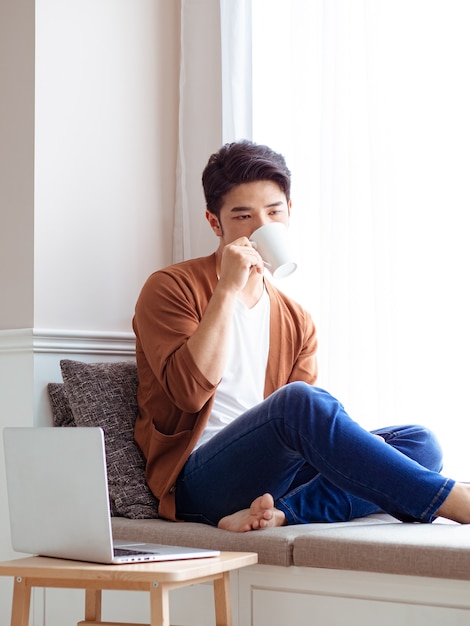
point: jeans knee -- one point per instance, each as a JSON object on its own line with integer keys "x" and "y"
{"x": 310, "y": 400}
{"x": 299, "y": 387}
{"x": 298, "y": 394}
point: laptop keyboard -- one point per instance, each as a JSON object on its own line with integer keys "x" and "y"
{"x": 123, "y": 552}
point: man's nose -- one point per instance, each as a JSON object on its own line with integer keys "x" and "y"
{"x": 260, "y": 221}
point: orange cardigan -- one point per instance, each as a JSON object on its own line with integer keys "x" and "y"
{"x": 175, "y": 399}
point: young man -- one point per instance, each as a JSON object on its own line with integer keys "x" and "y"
{"x": 233, "y": 429}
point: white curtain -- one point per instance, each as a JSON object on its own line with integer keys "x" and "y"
{"x": 199, "y": 123}
{"x": 313, "y": 103}
{"x": 236, "y": 53}
{"x": 368, "y": 100}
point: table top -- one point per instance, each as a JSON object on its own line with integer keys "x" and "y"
{"x": 167, "y": 571}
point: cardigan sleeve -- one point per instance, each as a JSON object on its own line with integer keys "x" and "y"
{"x": 167, "y": 314}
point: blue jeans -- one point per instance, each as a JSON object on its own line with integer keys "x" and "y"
{"x": 319, "y": 465}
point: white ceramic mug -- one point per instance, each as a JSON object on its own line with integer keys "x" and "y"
{"x": 272, "y": 242}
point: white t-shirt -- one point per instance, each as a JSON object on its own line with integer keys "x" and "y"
{"x": 242, "y": 385}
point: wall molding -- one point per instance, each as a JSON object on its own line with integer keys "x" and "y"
{"x": 58, "y": 341}
{"x": 18, "y": 340}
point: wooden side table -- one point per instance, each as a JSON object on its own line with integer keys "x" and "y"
{"x": 156, "y": 578}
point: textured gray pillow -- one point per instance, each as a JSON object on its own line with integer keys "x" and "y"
{"x": 105, "y": 395}
{"x": 61, "y": 412}
{"x": 62, "y": 416}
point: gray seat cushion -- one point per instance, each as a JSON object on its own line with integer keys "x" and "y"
{"x": 437, "y": 550}
{"x": 275, "y": 546}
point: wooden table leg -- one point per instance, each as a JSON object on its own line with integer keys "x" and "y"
{"x": 159, "y": 605}
{"x": 21, "y": 602}
{"x": 223, "y": 600}
{"x": 93, "y": 605}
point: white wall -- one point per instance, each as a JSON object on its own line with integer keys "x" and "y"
{"x": 106, "y": 114}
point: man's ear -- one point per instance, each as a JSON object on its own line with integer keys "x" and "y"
{"x": 214, "y": 223}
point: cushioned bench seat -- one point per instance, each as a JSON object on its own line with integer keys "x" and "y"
{"x": 377, "y": 543}
{"x": 275, "y": 546}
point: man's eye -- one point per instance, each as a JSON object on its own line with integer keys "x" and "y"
{"x": 242, "y": 217}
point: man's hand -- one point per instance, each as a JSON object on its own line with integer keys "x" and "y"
{"x": 238, "y": 261}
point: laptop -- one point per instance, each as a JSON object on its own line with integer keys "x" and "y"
{"x": 58, "y": 499}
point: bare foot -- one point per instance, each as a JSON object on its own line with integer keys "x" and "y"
{"x": 261, "y": 514}
{"x": 456, "y": 506}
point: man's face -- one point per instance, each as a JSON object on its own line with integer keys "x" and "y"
{"x": 248, "y": 206}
